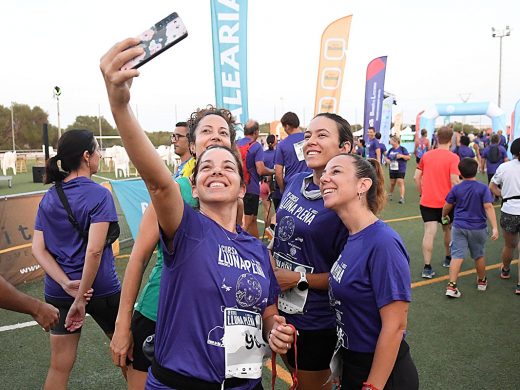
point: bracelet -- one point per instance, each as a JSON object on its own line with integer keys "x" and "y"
{"x": 368, "y": 386}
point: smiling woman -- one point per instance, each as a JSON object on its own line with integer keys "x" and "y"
{"x": 308, "y": 238}
{"x": 198, "y": 344}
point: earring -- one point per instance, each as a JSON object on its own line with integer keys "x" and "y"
{"x": 359, "y": 195}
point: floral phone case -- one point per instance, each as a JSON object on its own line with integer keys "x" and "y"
{"x": 158, "y": 38}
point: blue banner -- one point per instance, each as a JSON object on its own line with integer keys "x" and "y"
{"x": 229, "y": 27}
{"x": 386, "y": 120}
{"x": 133, "y": 198}
{"x": 374, "y": 94}
{"x": 516, "y": 125}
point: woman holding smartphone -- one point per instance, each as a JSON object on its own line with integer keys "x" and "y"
{"x": 308, "y": 239}
{"x": 216, "y": 302}
{"x": 65, "y": 256}
{"x": 370, "y": 285}
{"x": 134, "y": 326}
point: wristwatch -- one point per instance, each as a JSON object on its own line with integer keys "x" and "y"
{"x": 302, "y": 284}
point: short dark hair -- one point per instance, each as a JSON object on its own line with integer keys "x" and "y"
{"x": 378, "y": 135}
{"x": 181, "y": 124}
{"x": 468, "y": 167}
{"x": 444, "y": 135}
{"x": 515, "y": 148}
{"x": 270, "y": 139}
{"x": 464, "y": 140}
{"x": 495, "y": 139}
{"x": 290, "y": 119}
{"x": 424, "y": 132}
{"x": 371, "y": 128}
{"x": 250, "y": 127}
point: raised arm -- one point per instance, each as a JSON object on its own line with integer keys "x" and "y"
{"x": 163, "y": 191}
{"x": 147, "y": 238}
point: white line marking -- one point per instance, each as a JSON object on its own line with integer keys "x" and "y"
{"x": 21, "y": 325}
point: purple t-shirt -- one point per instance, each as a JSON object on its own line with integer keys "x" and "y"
{"x": 308, "y": 234}
{"x": 207, "y": 270}
{"x": 372, "y": 271}
{"x": 372, "y": 145}
{"x": 492, "y": 167}
{"x": 392, "y": 156}
{"x": 469, "y": 197}
{"x": 465, "y": 151}
{"x": 90, "y": 203}
{"x": 255, "y": 154}
{"x": 289, "y": 154}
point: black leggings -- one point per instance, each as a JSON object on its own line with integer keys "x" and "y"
{"x": 356, "y": 367}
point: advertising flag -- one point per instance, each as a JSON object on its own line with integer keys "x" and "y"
{"x": 334, "y": 41}
{"x": 386, "y": 120}
{"x": 374, "y": 94}
{"x": 229, "y": 27}
{"x": 516, "y": 122}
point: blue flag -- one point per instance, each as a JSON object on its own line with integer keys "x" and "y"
{"x": 229, "y": 27}
{"x": 374, "y": 94}
{"x": 133, "y": 198}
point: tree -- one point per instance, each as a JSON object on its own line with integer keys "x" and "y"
{"x": 28, "y": 124}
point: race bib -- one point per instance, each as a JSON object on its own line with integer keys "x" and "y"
{"x": 394, "y": 165}
{"x": 243, "y": 343}
{"x": 298, "y": 149}
{"x": 292, "y": 301}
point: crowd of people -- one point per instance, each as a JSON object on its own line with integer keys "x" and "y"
{"x": 324, "y": 294}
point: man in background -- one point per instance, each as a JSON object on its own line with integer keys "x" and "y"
{"x": 181, "y": 146}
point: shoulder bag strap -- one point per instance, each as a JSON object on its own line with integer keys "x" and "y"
{"x": 66, "y": 205}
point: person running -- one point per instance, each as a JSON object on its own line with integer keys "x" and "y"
{"x": 472, "y": 202}
{"x": 132, "y": 329}
{"x": 493, "y": 156}
{"x": 436, "y": 173}
{"x": 308, "y": 238}
{"x": 423, "y": 145}
{"x": 463, "y": 150}
{"x": 397, "y": 157}
{"x": 205, "y": 306}
{"x": 370, "y": 283}
{"x": 67, "y": 256}
{"x": 506, "y": 183}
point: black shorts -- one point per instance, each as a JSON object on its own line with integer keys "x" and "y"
{"x": 142, "y": 327}
{"x": 510, "y": 223}
{"x": 276, "y": 202}
{"x": 103, "y": 310}
{"x": 357, "y": 365}
{"x": 397, "y": 175}
{"x": 315, "y": 349}
{"x": 430, "y": 214}
{"x": 251, "y": 204}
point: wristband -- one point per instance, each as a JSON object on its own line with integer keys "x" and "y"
{"x": 368, "y": 386}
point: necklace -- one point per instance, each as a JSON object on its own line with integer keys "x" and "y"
{"x": 226, "y": 232}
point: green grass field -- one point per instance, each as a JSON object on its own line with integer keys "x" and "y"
{"x": 465, "y": 343}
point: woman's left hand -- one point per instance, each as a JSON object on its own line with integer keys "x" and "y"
{"x": 286, "y": 279}
{"x": 281, "y": 335}
{"x": 76, "y": 315}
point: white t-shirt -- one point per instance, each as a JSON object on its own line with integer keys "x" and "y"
{"x": 508, "y": 176}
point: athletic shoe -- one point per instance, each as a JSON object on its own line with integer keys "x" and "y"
{"x": 505, "y": 273}
{"x": 482, "y": 284}
{"x": 452, "y": 291}
{"x": 517, "y": 291}
{"x": 428, "y": 273}
{"x": 446, "y": 262}
{"x": 401, "y": 201}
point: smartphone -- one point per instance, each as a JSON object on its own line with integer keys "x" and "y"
{"x": 158, "y": 38}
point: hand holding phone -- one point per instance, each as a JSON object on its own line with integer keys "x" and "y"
{"x": 158, "y": 38}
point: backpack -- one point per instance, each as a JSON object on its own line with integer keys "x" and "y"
{"x": 493, "y": 154}
{"x": 244, "y": 149}
{"x": 421, "y": 149}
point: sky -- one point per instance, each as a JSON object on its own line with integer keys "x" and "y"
{"x": 438, "y": 52}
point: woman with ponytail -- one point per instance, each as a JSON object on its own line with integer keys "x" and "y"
{"x": 370, "y": 282}
{"x": 75, "y": 262}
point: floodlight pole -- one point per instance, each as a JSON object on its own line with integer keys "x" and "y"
{"x": 500, "y": 34}
{"x": 12, "y": 125}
